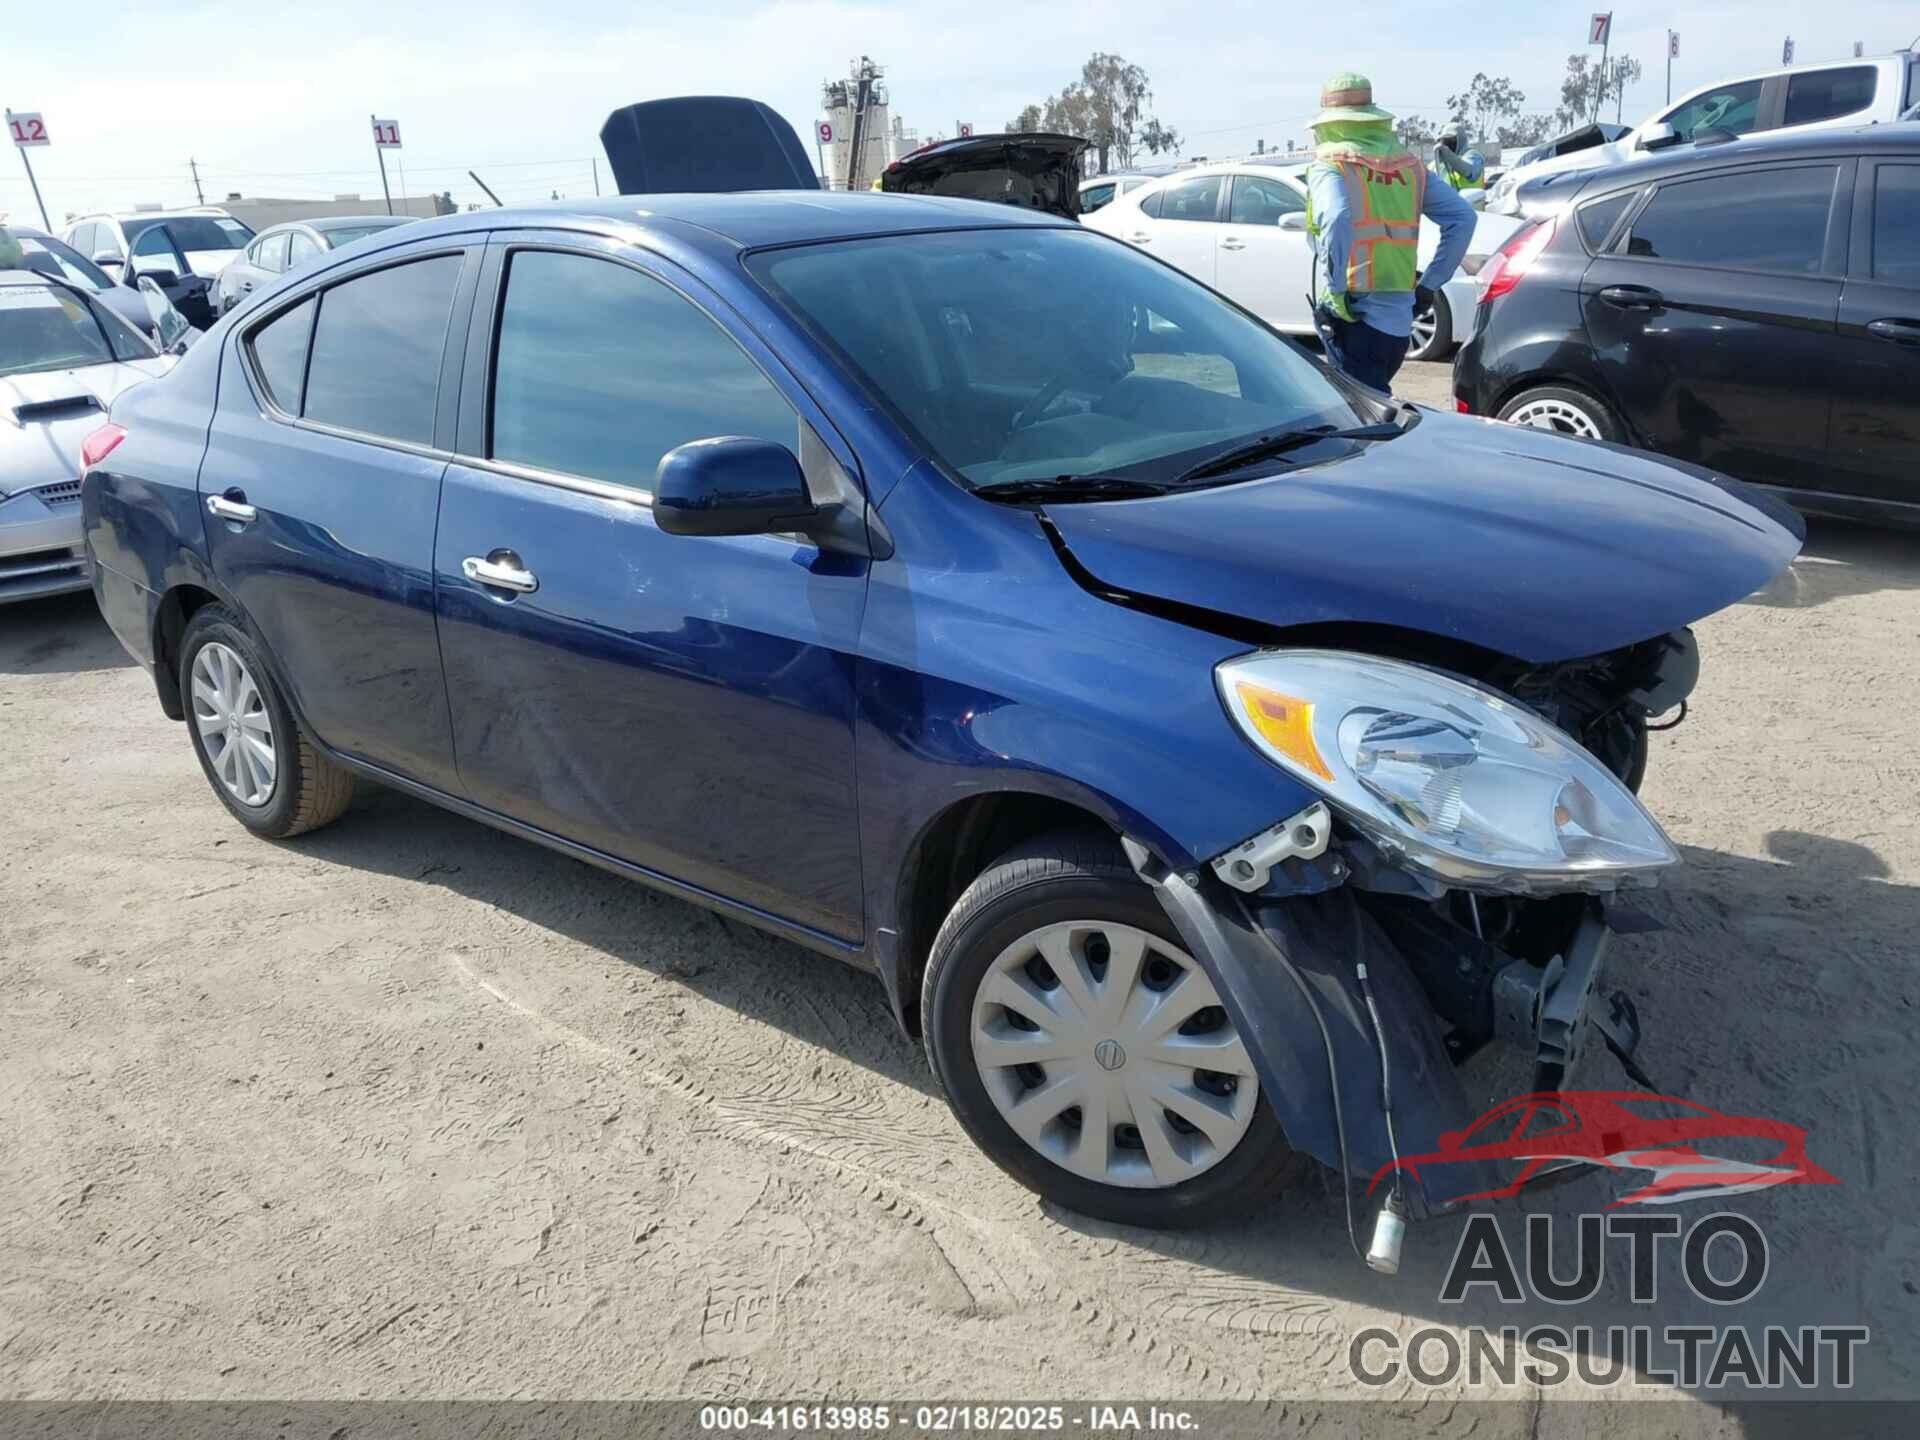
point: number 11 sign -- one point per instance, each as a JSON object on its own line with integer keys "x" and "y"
{"x": 386, "y": 134}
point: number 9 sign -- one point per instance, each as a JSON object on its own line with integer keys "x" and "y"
{"x": 27, "y": 128}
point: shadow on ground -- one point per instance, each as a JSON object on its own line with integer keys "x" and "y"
{"x": 60, "y": 635}
{"x": 1842, "y": 559}
{"x": 1780, "y": 988}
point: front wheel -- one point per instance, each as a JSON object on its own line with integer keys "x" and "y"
{"x": 1563, "y": 410}
{"x": 1087, "y": 1052}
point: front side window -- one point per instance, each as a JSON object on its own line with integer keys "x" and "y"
{"x": 1772, "y": 219}
{"x": 1896, "y": 224}
{"x": 1195, "y": 199}
{"x": 1037, "y": 353}
{"x": 1732, "y": 108}
{"x": 280, "y": 354}
{"x": 1258, "y": 200}
{"x": 600, "y": 370}
{"x": 377, "y": 350}
{"x": 1816, "y": 95}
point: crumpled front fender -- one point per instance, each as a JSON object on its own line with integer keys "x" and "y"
{"x": 1285, "y": 973}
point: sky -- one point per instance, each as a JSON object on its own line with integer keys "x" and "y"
{"x": 271, "y": 101}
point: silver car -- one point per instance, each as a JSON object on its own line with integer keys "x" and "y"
{"x": 64, "y": 358}
{"x": 289, "y": 246}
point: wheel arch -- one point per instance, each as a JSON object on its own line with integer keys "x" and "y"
{"x": 170, "y": 620}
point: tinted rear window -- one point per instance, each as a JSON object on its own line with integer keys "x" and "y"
{"x": 377, "y": 348}
{"x": 1773, "y": 219}
{"x": 1597, "y": 219}
{"x": 1896, "y": 225}
{"x": 1825, "y": 94}
{"x": 280, "y": 354}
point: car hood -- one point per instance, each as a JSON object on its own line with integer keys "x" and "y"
{"x": 704, "y": 144}
{"x": 1510, "y": 539}
{"x": 1035, "y": 172}
{"x": 45, "y": 415}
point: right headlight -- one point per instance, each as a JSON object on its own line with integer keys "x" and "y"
{"x": 1454, "y": 780}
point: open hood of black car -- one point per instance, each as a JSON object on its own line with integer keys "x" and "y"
{"x": 1035, "y": 172}
{"x": 704, "y": 144}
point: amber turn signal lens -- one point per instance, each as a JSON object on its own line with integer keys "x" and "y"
{"x": 1284, "y": 722}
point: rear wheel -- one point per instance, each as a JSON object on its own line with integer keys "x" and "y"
{"x": 1087, "y": 1052}
{"x": 260, "y": 763}
{"x": 1432, "y": 336}
{"x": 1563, "y": 410}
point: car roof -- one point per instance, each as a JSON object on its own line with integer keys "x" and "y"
{"x": 1899, "y": 137}
{"x": 171, "y": 212}
{"x": 344, "y": 222}
{"x": 749, "y": 219}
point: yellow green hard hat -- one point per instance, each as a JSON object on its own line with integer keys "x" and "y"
{"x": 1348, "y": 96}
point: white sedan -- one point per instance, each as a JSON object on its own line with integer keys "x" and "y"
{"x": 1241, "y": 228}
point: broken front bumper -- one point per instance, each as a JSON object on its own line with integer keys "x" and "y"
{"x": 1287, "y": 973}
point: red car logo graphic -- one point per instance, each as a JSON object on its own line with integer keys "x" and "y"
{"x": 1670, "y": 1139}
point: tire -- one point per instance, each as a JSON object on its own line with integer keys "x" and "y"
{"x": 1438, "y": 343}
{"x": 1077, "y": 884}
{"x": 1564, "y": 411}
{"x": 235, "y": 716}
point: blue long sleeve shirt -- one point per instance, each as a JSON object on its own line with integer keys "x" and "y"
{"x": 1389, "y": 312}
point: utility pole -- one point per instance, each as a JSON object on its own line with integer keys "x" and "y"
{"x": 199, "y": 195}
{"x": 483, "y": 185}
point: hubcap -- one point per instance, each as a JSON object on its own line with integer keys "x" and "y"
{"x": 231, "y": 715}
{"x": 1424, "y": 328}
{"x": 1559, "y": 416}
{"x": 1107, "y": 1050}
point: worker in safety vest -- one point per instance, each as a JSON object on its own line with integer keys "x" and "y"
{"x": 1461, "y": 170}
{"x": 1365, "y": 197}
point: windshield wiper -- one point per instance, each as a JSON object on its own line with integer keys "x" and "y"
{"x": 1263, "y": 447}
{"x": 1064, "y": 489}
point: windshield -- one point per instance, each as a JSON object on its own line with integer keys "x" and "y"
{"x": 56, "y": 258}
{"x": 43, "y": 327}
{"x": 1036, "y": 353}
{"x": 194, "y": 232}
{"x": 347, "y": 234}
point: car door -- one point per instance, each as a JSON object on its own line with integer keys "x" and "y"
{"x": 682, "y": 704}
{"x": 1876, "y": 387}
{"x": 1262, "y": 266}
{"x": 1181, "y": 224}
{"x": 322, "y": 488}
{"x": 1712, "y": 316}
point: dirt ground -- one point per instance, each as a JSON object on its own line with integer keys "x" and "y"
{"x": 410, "y": 1108}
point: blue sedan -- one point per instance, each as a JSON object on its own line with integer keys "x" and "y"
{"x": 1195, "y": 745}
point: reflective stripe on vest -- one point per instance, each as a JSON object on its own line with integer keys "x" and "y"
{"x": 1385, "y": 207}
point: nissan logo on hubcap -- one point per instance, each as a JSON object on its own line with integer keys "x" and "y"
{"x": 1108, "y": 1055}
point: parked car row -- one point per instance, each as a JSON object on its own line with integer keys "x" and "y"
{"x": 275, "y": 251}
{"x": 962, "y": 594}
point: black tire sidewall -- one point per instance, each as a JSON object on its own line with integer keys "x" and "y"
{"x": 1442, "y": 333}
{"x": 1597, "y": 409}
{"x": 217, "y": 623}
{"x": 962, "y": 960}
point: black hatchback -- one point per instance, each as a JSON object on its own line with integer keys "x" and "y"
{"x": 1752, "y": 306}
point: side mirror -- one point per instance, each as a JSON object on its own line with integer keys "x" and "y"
{"x": 1657, "y": 136}
{"x": 731, "y": 485}
{"x": 1293, "y": 220}
{"x": 168, "y": 323}
{"x": 107, "y": 260}
{"x": 161, "y": 277}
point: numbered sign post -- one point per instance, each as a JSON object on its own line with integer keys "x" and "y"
{"x": 28, "y": 129}
{"x": 386, "y": 136}
{"x": 1600, "y": 32}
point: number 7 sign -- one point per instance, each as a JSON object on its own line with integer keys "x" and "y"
{"x": 27, "y": 128}
{"x": 386, "y": 134}
{"x": 1601, "y": 29}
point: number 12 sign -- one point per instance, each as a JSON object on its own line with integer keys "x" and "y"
{"x": 27, "y": 128}
{"x": 386, "y": 134}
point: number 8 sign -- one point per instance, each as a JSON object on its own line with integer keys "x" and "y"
{"x": 27, "y": 128}
{"x": 386, "y": 134}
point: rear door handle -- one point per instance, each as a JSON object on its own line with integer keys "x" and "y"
{"x": 1900, "y": 332}
{"x": 502, "y": 570}
{"x": 1633, "y": 297}
{"x": 232, "y": 506}
{"x": 1139, "y": 237}
{"x": 1232, "y": 242}
{"x": 246, "y": 285}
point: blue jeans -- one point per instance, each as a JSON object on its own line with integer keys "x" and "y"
{"x": 1370, "y": 356}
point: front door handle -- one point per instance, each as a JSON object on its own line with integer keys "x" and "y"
{"x": 1232, "y": 242}
{"x": 246, "y": 285}
{"x": 1900, "y": 332}
{"x": 232, "y": 506}
{"x": 502, "y": 570}
{"x": 1633, "y": 297}
{"x": 1139, "y": 237}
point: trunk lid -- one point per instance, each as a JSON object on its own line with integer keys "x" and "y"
{"x": 1036, "y": 172}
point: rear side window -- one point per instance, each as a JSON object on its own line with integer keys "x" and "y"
{"x": 1732, "y": 108}
{"x": 1151, "y": 205}
{"x": 1749, "y": 220}
{"x": 1896, "y": 224}
{"x": 280, "y": 354}
{"x": 377, "y": 348}
{"x": 601, "y": 370}
{"x": 1824, "y": 94}
{"x": 1091, "y": 200}
{"x": 1195, "y": 199}
{"x": 1597, "y": 219}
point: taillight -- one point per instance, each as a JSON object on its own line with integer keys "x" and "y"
{"x": 1512, "y": 260}
{"x": 100, "y": 444}
{"x": 1460, "y": 406}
